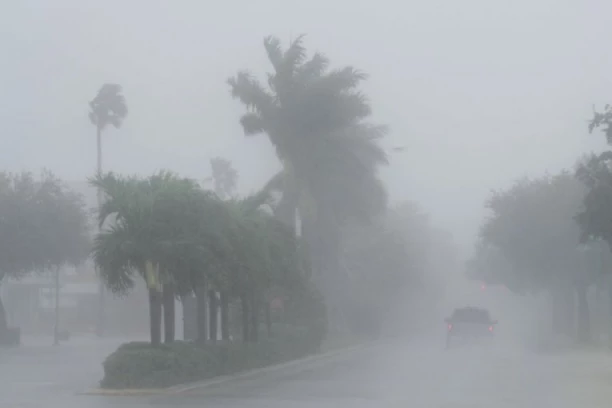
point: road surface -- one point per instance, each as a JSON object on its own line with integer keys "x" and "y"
{"x": 38, "y": 372}
{"x": 392, "y": 374}
{"x": 400, "y": 375}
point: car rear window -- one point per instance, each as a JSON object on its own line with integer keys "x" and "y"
{"x": 471, "y": 315}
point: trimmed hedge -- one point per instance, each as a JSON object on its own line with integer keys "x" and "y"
{"x": 141, "y": 365}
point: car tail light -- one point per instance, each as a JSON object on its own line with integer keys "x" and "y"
{"x": 450, "y": 327}
{"x": 491, "y": 329}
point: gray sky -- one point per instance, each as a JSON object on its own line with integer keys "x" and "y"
{"x": 480, "y": 92}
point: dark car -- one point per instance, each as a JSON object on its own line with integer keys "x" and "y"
{"x": 469, "y": 324}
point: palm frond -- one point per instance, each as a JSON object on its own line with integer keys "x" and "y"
{"x": 312, "y": 69}
{"x": 341, "y": 80}
{"x": 250, "y": 92}
{"x": 114, "y": 253}
{"x": 361, "y": 142}
{"x": 325, "y": 112}
{"x": 252, "y": 123}
{"x": 294, "y": 56}
{"x": 316, "y": 123}
{"x": 109, "y": 106}
{"x": 120, "y": 193}
{"x": 282, "y": 81}
{"x": 274, "y": 51}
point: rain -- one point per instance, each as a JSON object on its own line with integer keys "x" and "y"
{"x": 305, "y": 204}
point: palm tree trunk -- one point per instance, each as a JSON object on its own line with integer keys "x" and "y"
{"x": 101, "y": 323}
{"x": 202, "y": 313}
{"x": 155, "y": 315}
{"x": 213, "y": 313}
{"x": 245, "y": 318}
{"x": 224, "y": 298}
{"x": 169, "y": 313}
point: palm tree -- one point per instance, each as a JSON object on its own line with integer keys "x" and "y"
{"x": 176, "y": 236}
{"x": 264, "y": 255}
{"x": 156, "y": 234}
{"x": 107, "y": 108}
{"x": 127, "y": 246}
{"x": 316, "y": 120}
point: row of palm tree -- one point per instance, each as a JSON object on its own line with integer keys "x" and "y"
{"x": 317, "y": 120}
{"x": 181, "y": 238}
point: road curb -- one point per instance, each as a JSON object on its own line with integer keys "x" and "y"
{"x": 263, "y": 370}
{"x": 181, "y": 388}
{"x": 128, "y": 392}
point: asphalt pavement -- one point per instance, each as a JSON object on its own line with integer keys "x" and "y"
{"x": 38, "y": 371}
{"x": 423, "y": 375}
{"x": 397, "y": 373}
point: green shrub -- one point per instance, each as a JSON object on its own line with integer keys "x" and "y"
{"x": 141, "y": 365}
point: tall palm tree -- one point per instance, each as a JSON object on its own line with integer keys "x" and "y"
{"x": 107, "y": 108}
{"x": 316, "y": 119}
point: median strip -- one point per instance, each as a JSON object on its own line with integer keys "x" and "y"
{"x": 124, "y": 393}
{"x": 263, "y": 370}
{"x": 183, "y": 388}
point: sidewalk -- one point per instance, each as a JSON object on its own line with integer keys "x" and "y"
{"x": 37, "y": 371}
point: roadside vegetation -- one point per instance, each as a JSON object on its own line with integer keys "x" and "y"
{"x": 553, "y": 235}
{"x": 43, "y": 226}
{"x": 315, "y": 252}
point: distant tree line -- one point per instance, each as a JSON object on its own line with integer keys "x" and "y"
{"x": 553, "y": 234}
{"x": 43, "y": 226}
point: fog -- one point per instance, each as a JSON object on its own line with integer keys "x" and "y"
{"x": 478, "y": 92}
{"x": 475, "y": 93}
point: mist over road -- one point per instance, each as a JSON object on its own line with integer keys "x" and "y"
{"x": 422, "y": 374}
{"x": 418, "y": 374}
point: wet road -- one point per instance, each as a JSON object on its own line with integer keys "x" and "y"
{"x": 39, "y": 372}
{"x": 387, "y": 375}
{"x": 394, "y": 375}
